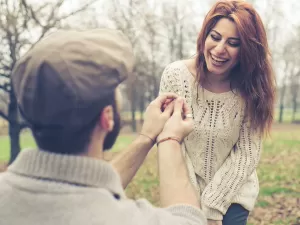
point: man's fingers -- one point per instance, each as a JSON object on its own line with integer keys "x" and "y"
{"x": 186, "y": 109}
{"x": 178, "y": 106}
{"x": 169, "y": 109}
{"x": 168, "y": 100}
{"x": 160, "y": 100}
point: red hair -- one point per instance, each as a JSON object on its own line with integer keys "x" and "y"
{"x": 253, "y": 77}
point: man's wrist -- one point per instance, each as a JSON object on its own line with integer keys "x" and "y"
{"x": 146, "y": 140}
{"x": 170, "y": 142}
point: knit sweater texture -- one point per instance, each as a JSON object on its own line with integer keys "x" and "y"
{"x": 46, "y": 188}
{"x": 222, "y": 152}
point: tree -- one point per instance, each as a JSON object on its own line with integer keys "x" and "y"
{"x": 295, "y": 86}
{"x": 130, "y": 18}
{"x": 160, "y": 32}
{"x": 22, "y": 24}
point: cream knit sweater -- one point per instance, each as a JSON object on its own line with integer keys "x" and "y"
{"x": 43, "y": 188}
{"x": 222, "y": 152}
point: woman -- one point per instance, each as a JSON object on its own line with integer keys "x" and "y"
{"x": 230, "y": 87}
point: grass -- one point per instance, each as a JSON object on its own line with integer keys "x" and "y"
{"x": 278, "y": 171}
{"x": 287, "y": 115}
{"x": 27, "y": 141}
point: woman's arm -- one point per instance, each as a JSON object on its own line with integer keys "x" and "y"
{"x": 170, "y": 80}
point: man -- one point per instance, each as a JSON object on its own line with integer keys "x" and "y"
{"x": 66, "y": 88}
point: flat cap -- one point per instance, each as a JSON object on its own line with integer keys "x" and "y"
{"x": 62, "y": 79}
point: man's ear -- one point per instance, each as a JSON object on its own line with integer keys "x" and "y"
{"x": 107, "y": 118}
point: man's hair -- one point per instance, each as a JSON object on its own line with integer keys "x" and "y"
{"x": 68, "y": 140}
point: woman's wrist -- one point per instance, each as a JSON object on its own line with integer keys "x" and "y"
{"x": 167, "y": 139}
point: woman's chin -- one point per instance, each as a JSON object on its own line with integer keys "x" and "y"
{"x": 216, "y": 72}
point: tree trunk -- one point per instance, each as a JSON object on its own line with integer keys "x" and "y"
{"x": 281, "y": 113}
{"x": 281, "y": 103}
{"x": 133, "y": 109}
{"x": 294, "y": 110}
{"x": 14, "y": 134}
{"x": 14, "y": 128}
{"x": 142, "y": 108}
{"x": 155, "y": 87}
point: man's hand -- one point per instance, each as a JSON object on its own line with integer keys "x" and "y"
{"x": 214, "y": 222}
{"x": 129, "y": 161}
{"x": 177, "y": 126}
{"x": 156, "y": 116}
{"x": 175, "y": 185}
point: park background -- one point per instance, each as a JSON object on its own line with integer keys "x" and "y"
{"x": 162, "y": 32}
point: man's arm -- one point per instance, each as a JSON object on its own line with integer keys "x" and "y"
{"x": 175, "y": 185}
{"x": 129, "y": 161}
{"x": 178, "y": 196}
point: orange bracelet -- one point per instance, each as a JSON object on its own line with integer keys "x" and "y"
{"x": 169, "y": 138}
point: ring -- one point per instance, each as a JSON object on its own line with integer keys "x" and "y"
{"x": 189, "y": 115}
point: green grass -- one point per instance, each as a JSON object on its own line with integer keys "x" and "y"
{"x": 270, "y": 191}
{"x": 263, "y": 204}
{"x": 278, "y": 172}
{"x": 287, "y": 115}
{"x": 27, "y": 141}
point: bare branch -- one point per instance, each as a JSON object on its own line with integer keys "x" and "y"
{"x": 51, "y": 22}
{"x": 84, "y": 7}
{"x": 4, "y": 75}
{"x": 5, "y": 87}
{"x": 4, "y": 65}
{"x": 32, "y": 13}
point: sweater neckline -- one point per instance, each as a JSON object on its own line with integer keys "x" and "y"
{"x": 207, "y": 93}
{"x": 76, "y": 170}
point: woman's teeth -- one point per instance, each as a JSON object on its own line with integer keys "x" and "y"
{"x": 218, "y": 61}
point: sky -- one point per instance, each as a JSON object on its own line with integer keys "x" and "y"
{"x": 286, "y": 12}
{"x": 289, "y": 18}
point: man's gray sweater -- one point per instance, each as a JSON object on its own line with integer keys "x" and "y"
{"x": 42, "y": 188}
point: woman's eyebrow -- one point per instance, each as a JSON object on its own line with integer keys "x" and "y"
{"x": 234, "y": 38}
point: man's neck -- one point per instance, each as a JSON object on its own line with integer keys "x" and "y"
{"x": 95, "y": 148}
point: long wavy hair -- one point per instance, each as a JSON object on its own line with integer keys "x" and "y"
{"x": 253, "y": 76}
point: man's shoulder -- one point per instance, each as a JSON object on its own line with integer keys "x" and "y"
{"x": 2, "y": 175}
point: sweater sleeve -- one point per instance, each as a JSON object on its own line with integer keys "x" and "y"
{"x": 238, "y": 166}
{"x": 142, "y": 212}
{"x": 170, "y": 80}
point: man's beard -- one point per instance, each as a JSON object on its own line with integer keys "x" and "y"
{"x": 111, "y": 137}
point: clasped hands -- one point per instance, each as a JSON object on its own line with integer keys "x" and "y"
{"x": 167, "y": 116}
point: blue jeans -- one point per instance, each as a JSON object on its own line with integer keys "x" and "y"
{"x": 236, "y": 215}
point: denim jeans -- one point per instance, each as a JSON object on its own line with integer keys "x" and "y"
{"x": 236, "y": 215}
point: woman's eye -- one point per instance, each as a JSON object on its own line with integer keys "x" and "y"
{"x": 215, "y": 38}
{"x": 234, "y": 44}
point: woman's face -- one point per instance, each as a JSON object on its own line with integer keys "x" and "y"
{"x": 222, "y": 47}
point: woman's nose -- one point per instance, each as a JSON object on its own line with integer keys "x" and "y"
{"x": 220, "y": 47}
